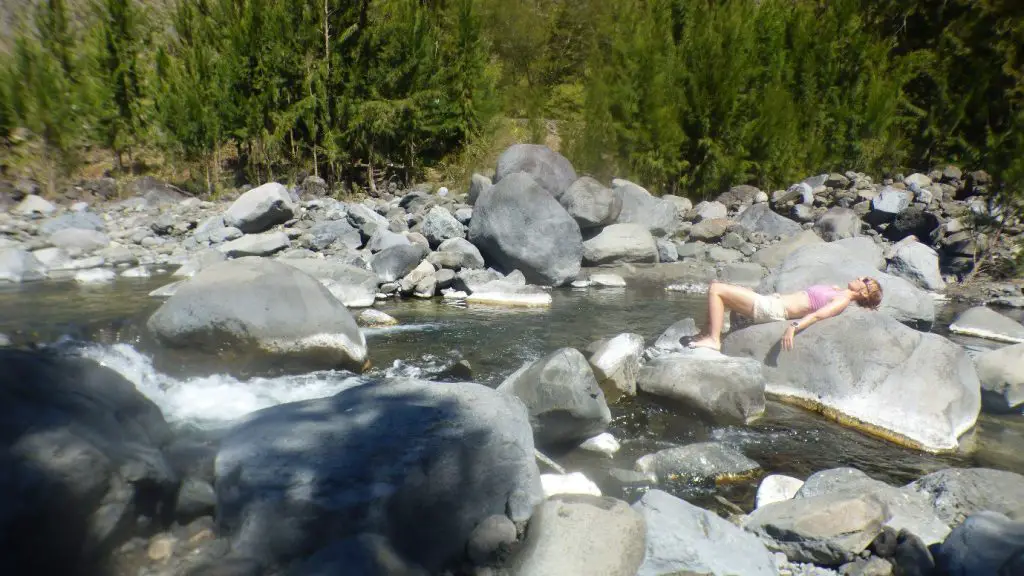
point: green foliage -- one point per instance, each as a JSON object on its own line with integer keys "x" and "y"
{"x": 119, "y": 75}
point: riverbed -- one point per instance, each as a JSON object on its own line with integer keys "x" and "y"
{"x": 107, "y": 322}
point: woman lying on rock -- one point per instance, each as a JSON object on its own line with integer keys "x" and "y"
{"x": 815, "y": 303}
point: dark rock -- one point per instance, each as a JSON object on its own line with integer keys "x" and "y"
{"x": 956, "y": 493}
{"x": 982, "y": 544}
{"x": 912, "y": 557}
{"x": 195, "y": 499}
{"x": 914, "y": 221}
{"x": 314, "y": 187}
{"x": 552, "y": 171}
{"x": 492, "y": 540}
{"x": 884, "y": 545}
{"x": 738, "y": 197}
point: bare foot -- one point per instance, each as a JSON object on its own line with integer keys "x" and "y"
{"x": 706, "y": 342}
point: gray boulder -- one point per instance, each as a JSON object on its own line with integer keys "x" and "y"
{"x": 331, "y": 233}
{"x": 260, "y": 209}
{"x": 685, "y": 539}
{"x": 81, "y": 463}
{"x": 838, "y": 223}
{"x": 33, "y": 204}
{"x": 985, "y": 543}
{"x": 908, "y": 510}
{"x": 620, "y": 243}
{"x": 873, "y": 373}
{"x": 918, "y": 264}
{"x": 591, "y": 204}
{"x": 278, "y": 314}
{"x": 457, "y": 254}
{"x": 987, "y": 323}
{"x": 666, "y": 250}
{"x": 17, "y": 265}
{"x": 383, "y": 239}
{"x": 581, "y": 534}
{"x": 956, "y": 493}
{"x": 738, "y": 197}
{"x": 710, "y": 230}
{"x": 731, "y": 389}
{"x": 477, "y": 185}
{"x": 671, "y": 340}
{"x": 263, "y": 244}
{"x": 914, "y": 221}
{"x": 616, "y": 364}
{"x": 82, "y": 220}
{"x": 700, "y": 463}
{"x": 836, "y": 263}
{"x": 394, "y": 263}
{"x": 760, "y": 218}
{"x": 470, "y": 280}
{"x": 79, "y": 241}
{"x": 828, "y": 530}
{"x": 548, "y": 168}
{"x": 565, "y": 402}
{"x": 353, "y": 287}
{"x": 709, "y": 211}
{"x": 439, "y": 225}
{"x": 522, "y": 227}
{"x": 640, "y": 207}
{"x": 888, "y": 204}
{"x": 419, "y": 464}
{"x": 1002, "y": 378}
{"x": 774, "y": 255}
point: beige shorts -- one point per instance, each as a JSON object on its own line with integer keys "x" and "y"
{"x": 768, "y": 309}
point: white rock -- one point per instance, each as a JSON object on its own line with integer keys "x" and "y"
{"x": 95, "y": 276}
{"x": 573, "y": 483}
{"x": 137, "y": 272}
{"x": 454, "y": 294}
{"x": 510, "y": 298}
{"x": 33, "y": 204}
{"x": 371, "y": 317}
{"x": 580, "y": 283}
{"x": 777, "y": 488}
{"x": 607, "y": 280}
{"x": 603, "y": 443}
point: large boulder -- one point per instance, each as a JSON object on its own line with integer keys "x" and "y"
{"x": 280, "y": 315}
{"x": 914, "y": 221}
{"x": 616, "y": 363}
{"x": 522, "y": 227}
{"x": 17, "y": 265}
{"x": 393, "y": 263}
{"x": 640, "y": 207}
{"x": 956, "y": 493}
{"x": 354, "y": 287}
{"x": 919, "y": 264}
{"x": 477, "y": 184}
{"x": 760, "y": 218}
{"x": 1001, "y": 373}
{"x": 565, "y": 402}
{"x": 987, "y": 323}
{"x": 457, "y": 254}
{"x": 263, "y": 244}
{"x": 419, "y": 464}
{"x": 620, "y": 243}
{"x": 260, "y": 209}
{"x": 685, "y": 539}
{"x": 888, "y": 204}
{"x": 79, "y": 240}
{"x": 581, "y": 534}
{"x": 731, "y": 389}
{"x": 737, "y": 197}
{"x": 836, "y": 263}
{"x": 332, "y": 233}
{"x": 869, "y": 371}
{"x": 80, "y": 463}
{"x": 439, "y": 225}
{"x": 591, "y": 204}
{"x": 986, "y": 543}
{"x": 774, "y": 255}
{"x": 838, "y": 223}
{"x": 829, "y": 530}
{"x": 552, "y": 171}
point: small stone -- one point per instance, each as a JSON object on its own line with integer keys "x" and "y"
{"x": 574, "y": 483}
{"x": 607, "y": 281}
{"x": 603, "y": 443}
{"x": 371, "y": 318}
{"x": 161, "y": 548}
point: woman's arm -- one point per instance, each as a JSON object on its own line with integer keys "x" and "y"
{"x": 833, "y": 308}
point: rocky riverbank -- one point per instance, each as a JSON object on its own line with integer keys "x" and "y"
{"x": 407, "y": 476}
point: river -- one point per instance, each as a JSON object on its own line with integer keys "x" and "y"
{"x": 106, "y": 322}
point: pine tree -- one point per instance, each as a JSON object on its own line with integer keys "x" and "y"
{"x": 119, "y": 69}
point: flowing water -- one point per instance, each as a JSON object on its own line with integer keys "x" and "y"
{"x": 107, "y": 323}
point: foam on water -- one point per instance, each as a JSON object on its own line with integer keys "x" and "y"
{"x": 215, "y": 400}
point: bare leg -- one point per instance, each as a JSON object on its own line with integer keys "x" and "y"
{"x": 721, "y": 297}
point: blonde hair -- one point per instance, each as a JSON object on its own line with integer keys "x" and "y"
{"x": 871, "y": 296}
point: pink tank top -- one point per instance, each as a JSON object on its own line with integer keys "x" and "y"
{"x": 820, "y": 295}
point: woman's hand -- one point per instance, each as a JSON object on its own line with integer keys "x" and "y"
{"x": 787, "y": 337}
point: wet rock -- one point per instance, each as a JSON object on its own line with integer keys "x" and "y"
{"x": 578, "y": 534}
{"x": 777, "y": 488}
{"x": 565, "y": 402}
{"x": 701, "y": 463}
{"x": 260, "y": 209}
{"x": 685, "y": 539}
{"x": 918, "y": 264}
{"x": 17, "y": 265}
{"x": 548, "y": 168}
{"x": 591, "y": 204}
{"x": 731, "y": 389}
{"x": 640, "y": 207}
{"x": 873, "y": 373}
{"x": 81, "y": 461}
{"x": 258, "y": 305}
{"x": 838, "y": 223}
{"x": 255, "y": 245}
{"x": 1002, "y": 378}
{"x": 829, "y": 530}
{"x": 760, "y": 218}
{"x": 908, "y": 510}
{"x": 520, "y": 226}
{"x": 620, "y": 243}
{"x": 982, "y": 544}
{"x": 354, "y": 287}
{"x": 956, "y": 493}
{"x": 396, "y": 262}
{"x": 616, "y": 364}
{"x": 439, "y": 225}
{"x": 987, "y": 323}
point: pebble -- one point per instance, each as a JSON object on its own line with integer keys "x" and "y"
{"x": 603, "y": 443}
